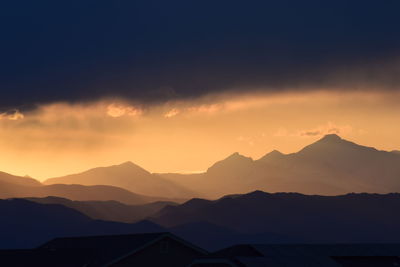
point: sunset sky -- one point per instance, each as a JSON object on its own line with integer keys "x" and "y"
{"x": 176, "y": 85}
{"x": 189, "y": 136}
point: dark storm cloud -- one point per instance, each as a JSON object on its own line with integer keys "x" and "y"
{"x": 153, "y": 50}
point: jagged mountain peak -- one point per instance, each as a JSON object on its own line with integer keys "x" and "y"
{"x": 235, "y": 160}
{"x": 128, "y": 167}
{"x": 129, "y": 164}
{"x": 331, "y": 138}
{"x": 274, "y": 154}
{"x": 333, "y": 142}
{"x": 237, "y": 156}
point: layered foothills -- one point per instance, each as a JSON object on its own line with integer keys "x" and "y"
{"x": 330, "y": 166}
{"x": 337, "y": 191}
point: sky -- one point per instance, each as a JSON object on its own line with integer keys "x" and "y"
{"x": 176, "y": 85}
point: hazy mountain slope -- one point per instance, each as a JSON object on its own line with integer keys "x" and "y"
{"x": 108, "y": 210}
{"x": 346, "y": 218}
{"x": 221, "y": 179}
{"x": 227, "y": 176}
{"x": 396, "y": 152}
{"x": 128, "y": 176}
{"x": 329, "y": 166}
{"x": 18, "y": 180}
{"x": 349, "y": 162}
{"x": 75, "y": 192}
{"x": 197, "y": 182}
{"x": 26, "y": 224}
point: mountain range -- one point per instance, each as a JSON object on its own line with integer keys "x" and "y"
{"x": 75, "y": 192}
{"x": 128, "y": 176}
{"x": 18, "y": 180}
{"x": 108, "y": 210}
{"x": 330, "y": 166}
{"x": 256, "y": 217}
{"x": 30, "y": 222}
{"x": 294, "y": 217}
{"x": 26, "y": 224}
{"x": 109, "y": 200}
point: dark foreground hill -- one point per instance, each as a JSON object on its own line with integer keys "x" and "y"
{"x": 256, "y": 217}
{"x": 26, "y": 224}
{"x": 291, "y": 216}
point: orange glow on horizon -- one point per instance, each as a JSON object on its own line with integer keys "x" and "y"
{"x": 60, "y": 138}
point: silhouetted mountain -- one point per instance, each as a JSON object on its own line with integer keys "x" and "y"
{"x": 234, "y": 162}
{"x": 305, "y": 218}
{"x": 329, "y": 166}
{"x": 396, "y": 152}
{"x": 75, "y": 192}
{"x": 18, "y": 180}
{"x": 108, "y": 210}
{"x": 273, "y": 155}
{"x": 26, "y": 224}
{"x": 128, "y": 176}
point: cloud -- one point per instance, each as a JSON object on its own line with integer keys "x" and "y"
{"x": 12, "y": 115}
{"x": 172, "y": 113}
{"x": 207, "y": 108}
{"x": 329, "y": 128}
{"x": 321, "y": 130}
{"x": 107, "y": 132}
{"x": 157, "y": 51}
{"x": 118, "y": 110}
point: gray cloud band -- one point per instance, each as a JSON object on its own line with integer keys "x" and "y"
{"x": 153, "y": 51}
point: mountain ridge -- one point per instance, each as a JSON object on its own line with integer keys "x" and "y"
{"x": 27, "y": 224}
{"x": 128, "y": 176}
{"x": 329, "y": 166}
{"x": 76, "y": 192}
{"x": 107, "y": 210}
{"x": 19, "y": 180}
{"x": 314, "y": 218}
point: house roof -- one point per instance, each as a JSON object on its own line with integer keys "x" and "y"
{"x": 203, "y": 262}
{"x": 98, "y": 242}
{"x": 44, "y": 258}
{"x": 330, "y": 249}
{"x": 111, "y": 248}
{"x": 308, "y": 254}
